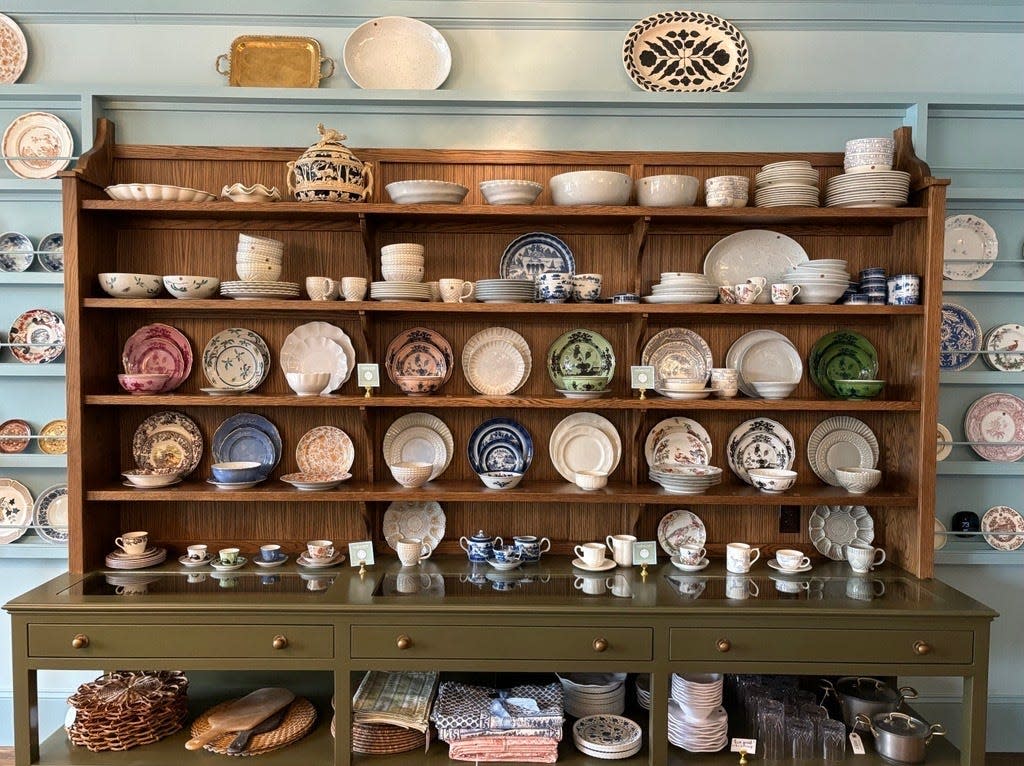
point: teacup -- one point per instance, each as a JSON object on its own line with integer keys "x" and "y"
{"x": 740, "y": 587}
{"x": 784, "y": 293}
{"x": 592, "y": 586}
{"x": 739, "y": 557}
{"x": 133, "y": 543}
{"x": 270, "y": 553}
{"x": 691, "y": 587}
{"x": 320, "y": 549}
{"x": 353, "y": 288}
{"x": 791, "y": 560}
{"x": 228, "y": 556}
{"x": 506, "y": 554}
{"x": 270, "y": 579}
{"x": 591, "y": 553}
{"x": 412, "y": 550}
{"x": 761, "y": 282}
{"x": 455, "y": 290}
{"x": 863, "y": 557}
{"x": 196, "y": 552}
{"x": 322, "y": 288}
{"x": 691, "y": 555}
{"x": 196, "y": 577}
{"x": 746, "y": 292}
{"x": 726, "y": 294}
{"x": 407, "y": 582}
{"x": 435, "y": 291}
{"x": 554, "y": 287}
{"x": 318, "y": 583}
{"x": 531, "y": 547}
{"x": 586, "y": 288}
{"x": 621, "y": 548}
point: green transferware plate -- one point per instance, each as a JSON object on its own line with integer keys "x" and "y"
{"x": 841, "y": 355}
{"x": 580, "y": 352}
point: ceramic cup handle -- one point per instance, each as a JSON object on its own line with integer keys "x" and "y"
{"x": 796, "y": 290}
{"x": 879, "y": 557}
{"x": 578, "y": 583}
{"x": 579, "y": 551}
{"x": 463, "y": 295}
{"x": 541, "y": 545}
{"x": 755, "y": 554}
{"x": 425, "y": 552}
{"x": 498, "y": 542}
{"x": 752, "y": 587}
{"x": 804, "y": 562}
{"x": 610, "y": 543}
{"x": 464, "y": 544}
{"x": 119, "y": 542}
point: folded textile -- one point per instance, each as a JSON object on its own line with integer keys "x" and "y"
{"x": 400, "y": 698}
{"x": 495, "y": 711}
{"x": 496, "y": 748}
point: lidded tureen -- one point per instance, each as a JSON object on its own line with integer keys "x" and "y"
{"x": 329, "y": 172}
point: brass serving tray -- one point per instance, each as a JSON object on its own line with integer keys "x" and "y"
{"x": 274, "y": 61}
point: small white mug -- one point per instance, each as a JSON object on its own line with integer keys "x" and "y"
{"x": 322, "y": 288}
{"x": 592, "y": 586}
{"x": 621, "y": 548}
{"x": 353, "y": 288}
{"x": 591, "y": 553}
{"x": 455, "y": 290}
{"x": 863, "y": 557}
{"x": 746, "y": 292}
{"x": 412, "y": 550}
{"x": 739, "y": 557}
{"x": 740, "y": 587}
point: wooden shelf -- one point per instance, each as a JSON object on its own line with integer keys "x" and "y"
{"x": 616, "y": 493}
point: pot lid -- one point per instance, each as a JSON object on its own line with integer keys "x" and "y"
{"x": 867, "y": 689}
{"x": 901, "y": 724}
{"x": 481, "y": 537}
{"x": 330, "y": 143}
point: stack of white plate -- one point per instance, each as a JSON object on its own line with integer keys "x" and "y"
{"x": 761, "y": 356}
{"x": 884, "y": 188}
{"x": 319, "y": 347}
{"x": 697, "y": 722}
{"x": 685, "y": 479}
{"x": 682, "y": 287}
{"x": 260, "y": 290}
{"x": 822, "y": 281}
{"x": 505, "y": 290}
{"x": 586, "y": 694}
{"x": 643, "y": 691}
{"x": 610, "y": 737}
{"x": 793, "y": 182}
{"x": 399, "y": 291}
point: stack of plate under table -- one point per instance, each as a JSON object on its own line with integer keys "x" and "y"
{"x": 588, "y": 694}
{"x": 697, "y": 722}
{"x": 610, "y": 737}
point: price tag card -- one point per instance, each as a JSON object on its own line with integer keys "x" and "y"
{"x": 369, "y": 375}
{"x": 856, "y": 743}
{"x": 748, "y": 746}
{"x": 362, "y": 552}
{"x": 642, "y": 377}
{"x": 645, "y": 553}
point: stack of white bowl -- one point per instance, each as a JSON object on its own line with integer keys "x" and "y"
{"x": 869, "y": 180}
{"x": 586, "y": 694}
{"x": 697, "y": 722}
{"x": 793, "y": 182}
{"x": 822, "y": 281}
{"x": 643, "y": 691}
{"x": 685, "y": 479}
{"x": 401, "y": 265}
{"x": 258, "y": 263}
{"x": 682, "y": 287}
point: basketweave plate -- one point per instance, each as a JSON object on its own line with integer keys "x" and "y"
{"x": 685, "y": 51}
{"x": 397, "y": 52}
{"x": 662, "y": 444}
{"x": 995, "y": 418}
{"x": 325, "y": 450}
{"x": 424, "y": 520}
{"x": 1005, "y": 337}
{"x": 496, "y": 361}
{"x": 54, "y": 437}
{"x": 50, "y": 514}
{"x": 15, "y": 510}
{"x": 419, "y": 351}
{"x": 167, "y": 345}
{"x": 37, "y": 326}
{"x": 500, "y": 444}
{"x": 536, "y": 253}
{"x": 412, "y": 420}
{"x": 274, "y": 61}
{"x": 325, "y": 330}
{"x": 833, "y": 527}
{"x": 236, "y": 358}
{"x": 969, "y": 247}
{"x": 580, "y": 352}
{"x": 840, "y": 448}
{"x": 172, "y": 423}
{"x": 678, "y": 528}
{"x": 960, "y": 338}
{"x": 760, "y": 443}
{"x": 37, "y": 145}
{"x": 677, "y": 352}
{"x": 1002, "y": 518}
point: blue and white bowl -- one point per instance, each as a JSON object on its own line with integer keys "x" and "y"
{"x": 16, "y": 252}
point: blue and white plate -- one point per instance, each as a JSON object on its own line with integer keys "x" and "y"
{"x": 51, "y": 514}
{"x": 51, "y": 252}
{"x": 536, "y": 253}
{"x": 15, "y": 252}
{"x": 248, "y": 445}
{"x": 960, "y": 338}
{"x": 500, "y": 444}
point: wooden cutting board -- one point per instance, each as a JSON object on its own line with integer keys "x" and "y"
{"x": 245, "y": 713}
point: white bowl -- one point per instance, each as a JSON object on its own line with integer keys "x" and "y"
{"x": 684, "y": 384}
{"x": 821, "y": 294}
{"x": 146, "y": 478}
{"x": 510, "y": 192}
{"x": 857, "y": 481}
{"x": 771, "y": 389}
{"x": 426, "y": 191}
{"x": 725, "y": 199}
{"x": 667, "y": 191}
{"x": 127, "y": 285}
{"x": 255, "y": 272}
{"x": 590, "y": 479}
{"x": 401, "y": 273}
{"x": 191, "y": 287}
{"x": 239, "y": 192}
{"x": 772, "y": 479}
{"x": 412, "y": 474}
{"x": 308, "y": 383}
{"x": 591, "y": 187}
{"x": 500, "y": 479}
{"x": 403, "y": 249}
{"x": 253, "y": 240}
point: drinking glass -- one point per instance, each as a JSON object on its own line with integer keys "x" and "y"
{"x": 771, "y": 729}
{"x": 833, "y": 739}
{"x": 800, "y": 737}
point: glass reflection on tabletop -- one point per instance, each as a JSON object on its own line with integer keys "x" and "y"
{"x": 150, "y": 584}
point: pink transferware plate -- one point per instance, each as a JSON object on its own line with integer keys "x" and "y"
{"x": 163, "y": 349}
{"x": 996, "y": 418}
{"x": 13, "y": 50}
{"x": 14, "y": 436}
{"x": 37, "y": 145}
{"x": 37, "y": 336}
{"x": 678, "y": 528}
{"x": 325, "y": 450}
{"x": 1002, "y": 518}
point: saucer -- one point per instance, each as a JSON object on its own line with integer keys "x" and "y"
{"x": 269, "y": 564}
{"x": 688, "y": 567}
{"x": 234, "y": 484}
{"x": 603, "y": 567}
{"x": 583, "y": 394}
{"x": 229, "y": 567}
{"x": 776, "y": 566}
{"x": 162, "y": 486}
{"x": 504, "y": 566}
{"x": 305, "y": 561}
{"x": 185, "y": 561}
{"x": 223, "y": 391}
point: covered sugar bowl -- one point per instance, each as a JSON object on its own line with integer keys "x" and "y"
{"x": 329, "y": 172}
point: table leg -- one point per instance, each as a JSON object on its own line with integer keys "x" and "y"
{"x": 26, "y": 699}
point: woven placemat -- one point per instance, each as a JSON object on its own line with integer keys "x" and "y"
{"x": 297, "y": 723}
{"x": 385, "y": 739}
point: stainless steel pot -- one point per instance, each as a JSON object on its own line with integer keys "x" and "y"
{"x": 859, "y": 695}
{"x": 900, "y": 737}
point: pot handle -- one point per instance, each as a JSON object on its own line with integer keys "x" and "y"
{"x": 367, "y": 175}
{"x": 862, "y": 721}
{"x": 226, "y": 59}
{"x": 906, "y": 693}
{"x": 935, "y": 730}
{"x": 829, "y": 688}
{"x": 330, "y": 69}
{"x": 291, "y": 167}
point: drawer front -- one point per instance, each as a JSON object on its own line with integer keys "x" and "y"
{"x": 473, "y": 642}
{"x": 170, "y": 641}
{"x": 784, "y": 645}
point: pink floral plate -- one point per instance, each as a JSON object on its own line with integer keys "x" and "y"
{"x": 996, "y": 418}
{"x": 42, "y": 332}
{"x": 1002, "y": 518}
{"x": 419, "y": 351}
{"x": 325, "y": 450}
{"x": 678, "y": 528}
{"x": 15, "y": 436}
{"x": 159, "y": 348}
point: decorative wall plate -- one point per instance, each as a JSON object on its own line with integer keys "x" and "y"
{"x": 939, "y": 538}
{"x": 419, "y": 351}
{"x": 960, "y": 338}
{"x": 410, "y": 518}
{"x": 323, "y": 330}
{"x": 16, "y": 435}
{"x": 325, "y": 450}
{"x": 1005, "y": 337}
{"x": 396, "y": 52}
{"x": 685, "y": 51}
{"x": 53, "y": 437}
{"x": 996, "y": 418}
{"x": 50, "y": 514}
{"x": 678, "y": 440}
{"x": 42, "y": 328}
{"x": 833, "y": 527}
{"x": 677, "y": 352}
{"x": 944, "y": 447}
{"x": 838, "y": 442}
{"x": 147, "y": 444}
{"x": 51, "y": 253}
{"x": 584, "y": 441}
{"x": 13, "y": 50}
{"x": 771, "y": 360}
{"x": 16, "y": 252}
{"x": 580, "y": 352}
{"x": 247, "y": 422}
{"x": 37, "y": 145}
{"x": 536, "y": 253}
{"x": 236, "y": 358}
{"x": 678, "y": 528}
{"x": 1002, "y": 518}
{"x": 841, "y": 355}
{"x": 760, "y": 443}
{"x": 419, "y": 446}
{"x": 316, "y": 355}
{"x": 739, "y": 348}
{"x": 496, "y": 361}
{"x": 753, "y": 253}
{"x": 157, "y": 193}
{"x": 969, "y": 247}
{"x": 500, "y": 444}
{"x": 15, "y": 510}
{"x": 159, "y": 348}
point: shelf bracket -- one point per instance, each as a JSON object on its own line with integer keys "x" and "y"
{"x": 369, "y": 234}
{"x": 638, "y": 247}
{"x": 364, "y": 424}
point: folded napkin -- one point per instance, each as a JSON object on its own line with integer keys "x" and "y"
{"x": 496, "y": 748}
{"x": 399, "y": 698}
{"x": 480, "y": 710}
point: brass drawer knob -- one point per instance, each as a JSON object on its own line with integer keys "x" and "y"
{"x": 280, "y": 642}
{"x": 922, "y": 648}
{"x": 403, "y": 642}
{"x": 80, "y": 641}
{"x": 723, "y": 645}
{"x": 600, "y": 644}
